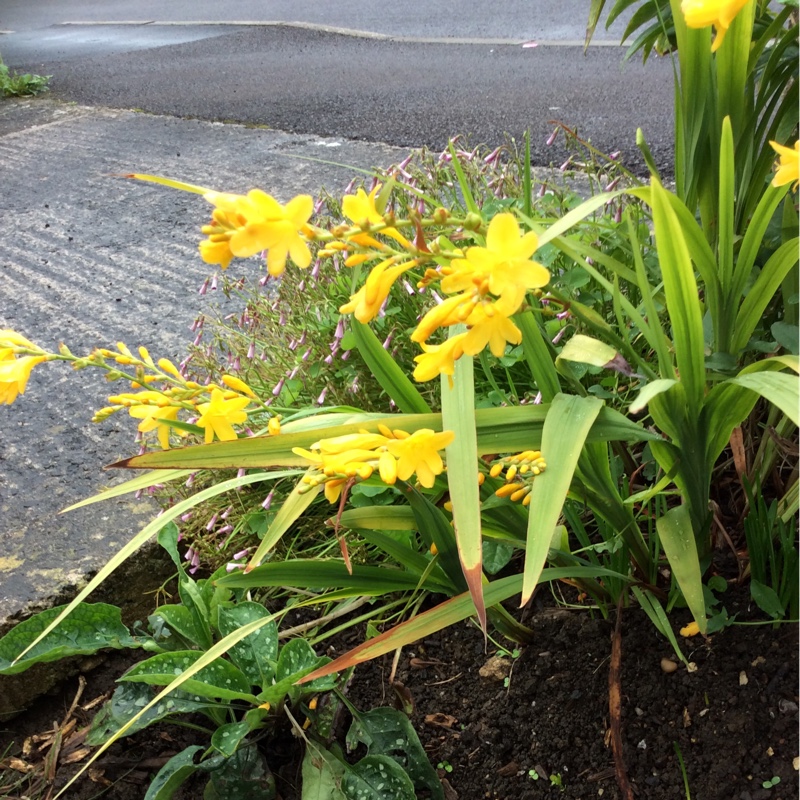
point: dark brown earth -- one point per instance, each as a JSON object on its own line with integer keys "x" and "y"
{"x": 734, "y": 719}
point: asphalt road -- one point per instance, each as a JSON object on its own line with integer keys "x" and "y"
{"x": 526, "y": 19}
{"x": 420, "y": 74}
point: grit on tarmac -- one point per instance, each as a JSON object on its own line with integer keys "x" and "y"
{"x": 91, "y": 259}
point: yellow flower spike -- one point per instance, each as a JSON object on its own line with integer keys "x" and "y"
{"x": 788, "y": 166}
{"x": 387, "y": 467}
{"x": 397, "y": 433}
{"x": 359, "y": 258}
{"x": 9, "y": 338}
{"x": 124, "y": 349}
{"x": 452, "y": 311}
{"x": 165, "y": 365}
{"x": 481, "y": 479}
{"x": 497, "y": 469}
{"x": 360, "y": 208}
{"x": 490, "y": 326}
{"x": 515, "y": 497}
{"x": 238, "y": 385}
{"x": 509, "y": 489}
{"x": 385, "y": 430}
{"x": 526, "y": 501}
{"x": 419, "y": 453}
{"x": 274, "y": 426}
{"x": 145, "y": 356}
{"x": 363, "y": 441}
{"x": 364, "y": 471}
{"x": 692, "y": 629}
{"x": 434, "y": 548}
{"x": 719, "y": 13}
{"x": 367, "y": 301}
{"x": 505, "y": 263}
{"x": 124, "y": 360}
{"x": 439, "y": 359}
{"x": 14, "y": 374}
{"x": 333, "y": 489}
{"x": 220, "y": 415}
{"x": 154, "y": 417}
{"x": 511, "y": 473}
{"x": 257, "y": 222}
{"x": 216, "y": 253}
{"x": 448, "y": 506}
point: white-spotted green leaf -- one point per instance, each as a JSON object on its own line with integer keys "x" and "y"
{"x": 226, "y": 738}
{"x": 389, "y": 732}
{"x": 128, "y": 701}
{"x": 377, "y": 778}
{"x": 173, "y": 774}
{"x": 174, "y": 619}
{"x": 209, "y": 657}
{"x": 91, "y": 627}
{"x": 257, "y": 654}
{"x": 243, "y": 776}
{"x": 219, "y": 680}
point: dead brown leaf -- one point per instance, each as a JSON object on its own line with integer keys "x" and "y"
{"x": 75, "y": 756}
{"x": 17, "y": 764}
{"x": 440, "y": 720}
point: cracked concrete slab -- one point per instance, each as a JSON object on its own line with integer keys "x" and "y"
{"x": 89, "y": 258}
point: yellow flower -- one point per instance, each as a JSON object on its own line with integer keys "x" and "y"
{"x": 15, "y": 372}
{"x": 367, "y": 301}
{"x": 238, "y": 385}
{"x": 9, "y": 338}
{"x": 220, "y": 415}
{"x": 453, "y": 310}
{"x": 360, "y": 208}
{"x": 245, "y": 225}
{"x": 789, "y": 165}
{"x": 504, "y": 267}
{"x": 490, "y": 326}
{"x": 356, "y": 456}
{"x": 274, "y": 426}
{"x": 439, "y": 359}
{"x": 719, "y": 13}
{"x": 419, "y": 454}
{"x": 154, "y": 418}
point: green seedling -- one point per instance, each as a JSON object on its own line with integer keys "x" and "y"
{"x": 772, "y": 782}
